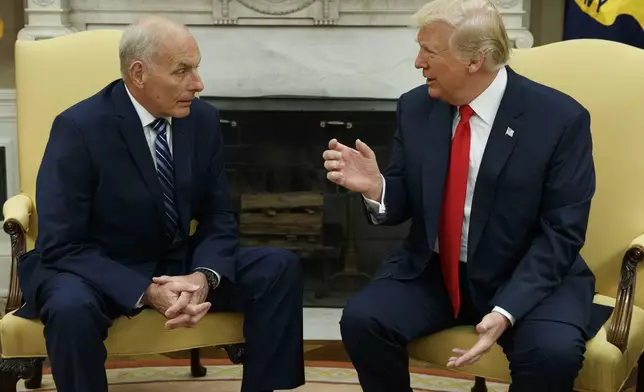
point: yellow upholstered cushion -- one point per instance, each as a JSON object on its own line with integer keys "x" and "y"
{"x": 139, "y": 335}
{"x": 605, "y": 368}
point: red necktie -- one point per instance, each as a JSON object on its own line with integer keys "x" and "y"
{"x": 451, "y": 221}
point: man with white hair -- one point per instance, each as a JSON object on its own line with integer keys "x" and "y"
{"x": 496, "y": 173}
{"x": 123, "y": 175}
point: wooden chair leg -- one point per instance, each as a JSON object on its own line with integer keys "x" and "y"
{"x": 479, "y": 385}
{"x": 8, "y": 381}
{"x": 35, "y": 381}
{"x": 640, "y": 375}
{"x": 196, "y": 368}
{"x": 12, "y": 370}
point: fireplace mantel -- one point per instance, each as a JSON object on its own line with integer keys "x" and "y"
{"x": 47, "y": 18}
{"x": 258, "y": 48}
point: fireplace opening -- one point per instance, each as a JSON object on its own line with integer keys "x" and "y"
{"x": 273, "y": 150}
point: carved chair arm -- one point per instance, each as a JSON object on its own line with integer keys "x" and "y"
{"x": 621, "y": 322}
{"x": 17, "y": 211}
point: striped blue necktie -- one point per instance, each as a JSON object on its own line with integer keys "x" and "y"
{"x": 165, "y": 171}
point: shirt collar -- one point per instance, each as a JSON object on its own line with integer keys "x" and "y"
{"x": 145, "y": 116}
{"x": 487, "y": 103}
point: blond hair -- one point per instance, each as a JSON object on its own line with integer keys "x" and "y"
{"x": 479, "y": 29}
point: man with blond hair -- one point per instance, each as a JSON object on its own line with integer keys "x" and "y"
{"x": 496, "y": 173}
{"x": 123, "y": 175}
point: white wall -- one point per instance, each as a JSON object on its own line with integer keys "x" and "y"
{"x": 8, "y": 139}
{"x": 343, "y": 62}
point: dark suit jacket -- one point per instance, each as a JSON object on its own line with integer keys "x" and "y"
{"x": 531, "y": 201}
{"x": 99, "y": 201}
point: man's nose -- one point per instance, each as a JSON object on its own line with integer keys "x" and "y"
{"x": 420, "y": 62}
{"x": 197, "y": 83}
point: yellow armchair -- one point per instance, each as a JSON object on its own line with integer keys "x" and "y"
{"x": 52, "y": 75}
{"x": 606, "y": 77}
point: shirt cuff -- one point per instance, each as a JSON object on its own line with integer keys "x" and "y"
{"x": 377, "y": 209}
{"x": 505, "y": 313}
{"x": 139, "y": 304}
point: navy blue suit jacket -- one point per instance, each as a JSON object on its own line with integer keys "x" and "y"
{"x": 530, "y": 209}
{"x": 100, "y": 207}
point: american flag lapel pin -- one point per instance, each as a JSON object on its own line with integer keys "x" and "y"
{"x": 509, "y": 132}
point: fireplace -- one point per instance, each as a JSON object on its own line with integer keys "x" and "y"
{"x": 273, "y": 151}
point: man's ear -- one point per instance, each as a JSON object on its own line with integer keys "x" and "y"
{"x": 137, "y": 74}
{"x": 476, "y": 63}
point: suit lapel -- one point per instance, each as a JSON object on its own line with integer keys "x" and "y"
{"x": 436, "y": 148}
{"x": 505, "y": 131}
{"x": 182, "y": 169}
{"x": 132, "y": 132}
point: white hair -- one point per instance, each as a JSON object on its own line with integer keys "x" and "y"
{"x": 142, "y": 40}
{"x": 478, "y": 29}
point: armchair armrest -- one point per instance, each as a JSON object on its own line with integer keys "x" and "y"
{"x": 18, "y": 208}
{"x": 621, "y": 322}
{"x": 17, "y": 211}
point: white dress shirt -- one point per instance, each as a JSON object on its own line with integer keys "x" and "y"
{"x": 150, "y": 136}
{"x": 485, "y": 107}
{"x": 146, "y": 121}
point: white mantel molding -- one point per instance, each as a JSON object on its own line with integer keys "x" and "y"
{"x": 8, "y": 104}
{"x": 49, "y": 18}
{"x": 317, "y": 48}
{"x": 46, "y": 19}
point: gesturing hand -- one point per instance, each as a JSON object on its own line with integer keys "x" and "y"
{"x": 190, "y": 307}
{"x": 489, "y": 330}
{"x": 355, "y": 169}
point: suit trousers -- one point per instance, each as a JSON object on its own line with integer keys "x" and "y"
{"x": 268, "y": 290}
{"x": 380, "y": 320}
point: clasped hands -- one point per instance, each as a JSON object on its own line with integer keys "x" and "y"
{"x": 181, "y": 299}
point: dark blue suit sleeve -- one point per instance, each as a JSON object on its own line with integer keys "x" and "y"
{"x": 216, "y": 238}
{"x": 65, "y": 186}
{"x": 567, "y": 194}
{"x": 395, "y": 197}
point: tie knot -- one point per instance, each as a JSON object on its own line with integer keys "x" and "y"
{"x": 466, "y": 112}
{"x": 159, "y": 125}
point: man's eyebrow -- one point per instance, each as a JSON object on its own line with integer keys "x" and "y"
{"x": 182, "y": 64}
